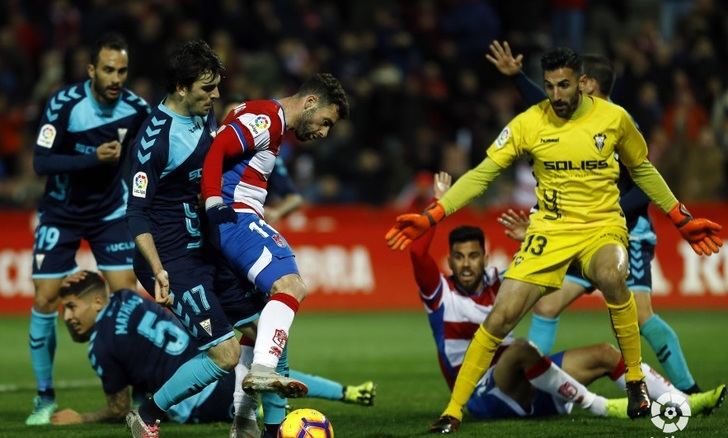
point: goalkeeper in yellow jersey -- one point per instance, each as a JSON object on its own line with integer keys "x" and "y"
{"x": 572, "y": 139}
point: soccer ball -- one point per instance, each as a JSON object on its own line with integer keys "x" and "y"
{"x": 306, "y": 423}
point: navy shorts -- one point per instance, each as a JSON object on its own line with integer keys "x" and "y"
{"x": 256, "y": 251}
{"x": 489, "y": 402}
{"x": 195, "y": 304}
{"x": 641, "y": 253}
{"x": 56, "y": 244}
{"x": 239, "y": 299}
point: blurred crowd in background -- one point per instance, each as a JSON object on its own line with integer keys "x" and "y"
{"x": 423, "y": 96}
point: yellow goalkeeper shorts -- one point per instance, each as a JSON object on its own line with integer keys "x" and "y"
{"x": 544, "y": 257}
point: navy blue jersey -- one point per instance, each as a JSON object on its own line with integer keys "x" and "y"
{"x": 137, "y": 343}
{"x": 165, "y": 176}
{"x": 72, "y": 126}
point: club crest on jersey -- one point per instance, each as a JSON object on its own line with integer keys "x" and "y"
{"x": 503, "y": 137}
{"x": 139, "y": 183}
{"x": 121, "y": 132}
{"x": 599, "y": 141}
{"x": 46, "y": 136}
{"x": 279, "y": 240}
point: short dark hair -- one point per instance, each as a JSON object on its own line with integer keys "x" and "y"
{"x": 189, "y": 62}
{"x": 329, "y": 91}
{"x": 111, "y": 40}
{"x": 599, "y": 68}
{"x": 92, "y": 282}
{"x": 561, "y": 57}
{"x": 467, "y": 233}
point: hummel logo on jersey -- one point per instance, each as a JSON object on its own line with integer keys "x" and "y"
{"x": 207, "y": 326}
{"x": 599, "y": 141}
{"x": 549, "y": 140}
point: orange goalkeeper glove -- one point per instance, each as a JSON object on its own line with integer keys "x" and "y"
{"x": 700, "y": 233}
{"x": 413, "y": 225}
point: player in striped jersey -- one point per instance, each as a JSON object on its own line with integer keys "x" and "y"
{"x": 520, "y": 381}
{"x": 234, "y": 186}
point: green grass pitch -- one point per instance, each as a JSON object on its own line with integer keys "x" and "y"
{"x": 396, "y": 350}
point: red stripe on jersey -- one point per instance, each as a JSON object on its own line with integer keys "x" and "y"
{"x": 460, "y": 330}
{"x": 225, "y": 145}
{"x": 253, "y": 177}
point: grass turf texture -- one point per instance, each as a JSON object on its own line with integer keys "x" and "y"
{"x": 395, "y": 350}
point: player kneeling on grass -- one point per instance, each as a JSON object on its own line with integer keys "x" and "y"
{"x": 135, "y": 343}
{"x": 520, "y": 381}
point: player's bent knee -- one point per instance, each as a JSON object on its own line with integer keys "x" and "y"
{"x": 498, "y": 324}
{"x": 225, "y": 354}
{"x": 46, "y": 297}
{"x": 291, "y": 284}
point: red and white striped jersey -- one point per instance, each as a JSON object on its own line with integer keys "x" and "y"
{"x": 243, "y": 154}
{"x": 454, "y": 315}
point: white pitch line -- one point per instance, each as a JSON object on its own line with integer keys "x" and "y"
{"x": 61, "y": 384}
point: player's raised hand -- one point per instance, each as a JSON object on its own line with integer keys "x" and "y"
{"x": 502, "y": 58}
{"x": 515, "y": 224}
{"x": 66, "y": 416}
{"x": 413, "y": 225}
{"x": 443, "y": 181}
{"x": 701, "y": 233}
{"x": 109, "y": 152}
{"x": 161, "y": 288}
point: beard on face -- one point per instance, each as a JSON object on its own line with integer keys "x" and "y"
{"x": 304, "y": 129}
{"x": 105, "y": 90}
{"x": 565, "y": 109}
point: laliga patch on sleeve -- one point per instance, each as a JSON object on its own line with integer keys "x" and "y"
{"x": 256, "y": 123}
{"x": 46, "y": 136}
{"x": 140, "y": 183}
{"x": 503, "y": 137}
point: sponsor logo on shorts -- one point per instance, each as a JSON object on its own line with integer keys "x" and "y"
{"x": 46, "y": 136}
{"x": 120, "y": 246}
{"x": 139, "y": 185}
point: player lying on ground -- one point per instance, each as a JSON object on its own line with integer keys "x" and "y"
{"x": 663, "y": 340}
{"x": 135, "y": 343}
{"x": 520, "y": 381}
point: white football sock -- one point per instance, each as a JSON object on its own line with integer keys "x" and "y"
{"x": 246, "y": 406}
{"x": 656, "y": 384}
{"x": 273, "y": 326}
{"x": 549, "y": 378}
